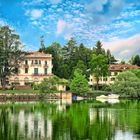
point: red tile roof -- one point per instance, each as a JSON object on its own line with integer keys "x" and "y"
{"x": 122, "y": 67}
{"x": 37, "y": 53}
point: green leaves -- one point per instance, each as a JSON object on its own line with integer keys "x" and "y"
{"x": 11, "y": 53}
{"x": 79, "y": 84}
{"x": 127, "y": 84}
{"x": 49, "y": 85}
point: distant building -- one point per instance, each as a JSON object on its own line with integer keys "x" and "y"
{"x": 35, "y": 67}
{"x": 114, "y": 71}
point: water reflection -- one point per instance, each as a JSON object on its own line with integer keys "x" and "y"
{"x": 61, "y": 120}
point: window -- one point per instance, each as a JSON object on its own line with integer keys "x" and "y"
{"x": 115, "y": 73}
{"x": 16, "y": 80}
{"x": 26, "y": 79}
{"x": 36, "y": 80}
{"x": 39, "y": 61}
{"x": 36, "y": 62}
{"x": 35, "y": 70}
{"x": 112, "y": 79}
{"x": 32, "y": 61}
{"x": 104, "y": 79}
{"x": 45, "y": 62}
{"x": 46, "y": 71}
{"x": 26, "y": 62}
{"x": 26, "y": 70}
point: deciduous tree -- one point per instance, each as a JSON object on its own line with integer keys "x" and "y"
{"x": 11, "y": 53}
{"x": 99, "y": 67}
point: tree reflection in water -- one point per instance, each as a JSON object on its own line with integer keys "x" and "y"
{"x": 84, "y": 120}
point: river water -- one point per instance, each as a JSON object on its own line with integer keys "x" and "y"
{"x": 64, "y": 120}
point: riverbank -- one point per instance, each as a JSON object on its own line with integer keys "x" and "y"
{"x": 32, "y": 96}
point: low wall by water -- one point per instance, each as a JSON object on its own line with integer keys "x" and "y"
{"x": 34, "y": 97}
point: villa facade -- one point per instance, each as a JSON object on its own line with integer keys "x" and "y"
{"x": 35, "y": 67}
{"x": 114, "y": 71}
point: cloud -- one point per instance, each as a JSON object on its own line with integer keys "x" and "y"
{"x": 2, "y": 22}
{"x": 55, "y": 1}
{"x": 86, "y": 21}
{"x": 102, "y": 11}
{"x": 96, "y": 6}
{"x": 61, "y": 24}
{"x": 64, "y": 28}
{"x": 124, "y": 48}
{"x": 35, "y": 13}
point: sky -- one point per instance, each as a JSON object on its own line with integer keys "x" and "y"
{"x": 114, "y": 22}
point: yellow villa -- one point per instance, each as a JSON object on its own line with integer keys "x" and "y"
{"x": 35, "y": 67}
{"x": 114, "y": 70}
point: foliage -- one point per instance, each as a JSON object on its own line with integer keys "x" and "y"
{"x": 136, "y": 72}
{"x": 106, "y": 88}
{"x": 79, "y": 84}
{"x": 99, "y": 66}
{"x": 128, "y": 85}
{"x": 81, "y": 66}
{"x": 72, "y": 56}
{"x": 10, "y": 53}
{"x": 49, "y": 85}
{"x": 99, "y": 50}
{"x": 123, "y": 62}
{"x": 35, "y": 86}
{"x": 135, "y": 60}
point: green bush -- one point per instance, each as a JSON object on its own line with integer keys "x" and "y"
{"x": 128, "y": 86}
{"x": 79, "y": 83}
{"x": 35, "y": 86}
{"x": 106, "y": 88}
{"x": 96, "y": 93}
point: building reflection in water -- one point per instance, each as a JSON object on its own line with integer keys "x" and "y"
{"x": 62, "y": 120}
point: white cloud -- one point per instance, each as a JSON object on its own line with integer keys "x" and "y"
{"x": 61, "y": 24}
{"x": 96, "y": 6}
{"x": 124, "y": 48}
{"x": 36, "y": 13}
{"x": 65, "y": 28}
{"x": 2, "y": 22}
{"x": 55, "y": 1}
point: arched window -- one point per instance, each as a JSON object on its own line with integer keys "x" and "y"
{"x": 16, "y": 80}
{"x": 26, "y": 79}
{"x": 36, "y": 80}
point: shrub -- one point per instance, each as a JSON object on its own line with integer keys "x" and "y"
{"x": 128, "y": 86}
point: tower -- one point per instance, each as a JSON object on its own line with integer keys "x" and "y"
{"x": 42, "y": 46}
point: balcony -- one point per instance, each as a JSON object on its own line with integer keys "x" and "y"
{"x": 37, "y": 74}
{"x": 25, "y": 65}
{"x": 34, "y": 65}
{"x": 46, "y": 65}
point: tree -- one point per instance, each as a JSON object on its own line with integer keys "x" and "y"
{"x": 50, "y": 85}
{"x": 69, "y": 49}
{"x": 123, "y": 62}
{"x": 79, "y": 83}
{"x": 81, "y": 66}
{"x": 135, "y": 60}
{"x": 136, "y": 72}
{"x": 56, "y": 50}
{"x": 98, "y": 48}
{"x": 99, "y": 67}
{"x": 111, "y": 58}
{"x": 127, "y": 84}
{"x": 11, "y": 53}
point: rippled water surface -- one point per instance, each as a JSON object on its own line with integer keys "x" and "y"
{"x": 64, "y": 120}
